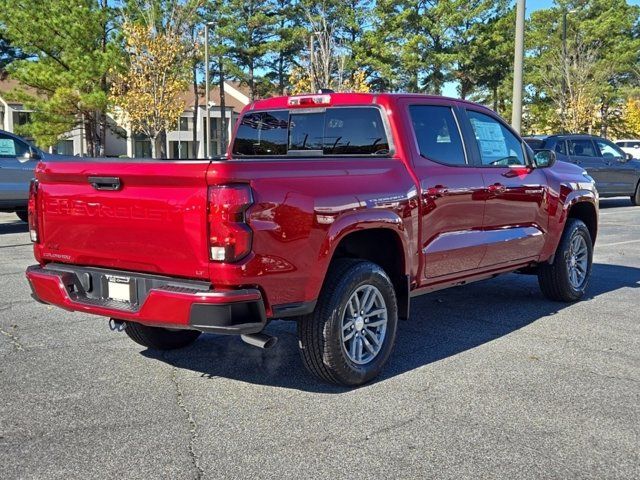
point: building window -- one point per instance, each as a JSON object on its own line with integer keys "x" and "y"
{"x": 180, "y": 150}
{"x": 65, "y": 147}
{"x": 142, "y": 147}
{"x": 21, "y": 118}
{"x": 214, "y": 135}
{"x": 185, "y": 124}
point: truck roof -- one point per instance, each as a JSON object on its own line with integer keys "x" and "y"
{"x": 327, "y": 99}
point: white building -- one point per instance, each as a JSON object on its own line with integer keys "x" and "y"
{"x": 120, "y": 139}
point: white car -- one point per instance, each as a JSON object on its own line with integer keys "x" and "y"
{"x": 630, "y": 146}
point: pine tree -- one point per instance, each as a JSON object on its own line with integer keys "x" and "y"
{"x": 71, "y": 42}
{"x": 8, "y": 53}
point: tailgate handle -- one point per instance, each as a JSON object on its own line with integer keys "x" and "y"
{"x": 105, "y": 183}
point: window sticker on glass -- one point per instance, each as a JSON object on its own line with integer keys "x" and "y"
{"x": 7, "y": 147}
{"x": 490, "y": 138}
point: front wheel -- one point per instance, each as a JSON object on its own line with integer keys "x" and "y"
{"x": 157, "y": 338}
{"x": 349, "y": 337}
{"x": 566, "y": 280}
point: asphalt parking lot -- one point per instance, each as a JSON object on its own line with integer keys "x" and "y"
{"x": 488, "y": 381}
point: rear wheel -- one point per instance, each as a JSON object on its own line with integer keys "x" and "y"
{"x": 351, "y": 333}
{"x": 158, "y": 338}
{"x": 635, "y": 198}
{"x": 566, "y": 280}
{"x": 23, "y": 215}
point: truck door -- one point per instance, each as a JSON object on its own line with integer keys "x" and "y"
{"x": 622, "y": 175}
{"x": 515, "y": 217}
{"x": 583, "y": 152}
{"x": 452, "y": 203}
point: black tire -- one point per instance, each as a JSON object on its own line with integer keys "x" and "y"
{"x": 554, "y": 279}
{"x": 320, "y": 333}
{"x": 23, "y": 215}
{"x": 635, "y": 198}
{"x": 157, "y": 338}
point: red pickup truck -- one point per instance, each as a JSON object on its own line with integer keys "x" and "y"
{"x": 332, "y": 210}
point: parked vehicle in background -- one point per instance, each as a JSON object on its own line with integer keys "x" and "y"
{"x": 631, "y": 147}
{"x": 332, "y": 210}
{"x": 18, "y": 160}
{"x": 616, "y": 172}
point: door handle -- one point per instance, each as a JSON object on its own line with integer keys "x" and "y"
{"x": 496, "y": 188}
{"x": 437, "y": 191}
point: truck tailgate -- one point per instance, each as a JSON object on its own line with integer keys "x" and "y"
{"x": 155, "y": 221}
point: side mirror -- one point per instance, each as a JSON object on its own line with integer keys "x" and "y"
{"x": 628, "y": 156}
{"x": 544, "y": 158}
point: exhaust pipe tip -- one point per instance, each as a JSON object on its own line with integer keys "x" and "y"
{"x": 260, "y": 340}
{"x": 117, "y": 325}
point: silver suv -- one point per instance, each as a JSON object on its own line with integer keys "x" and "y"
{"x": 18, "y": 160}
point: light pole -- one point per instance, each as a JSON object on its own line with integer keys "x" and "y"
{"x": 206, "y": 88}
{"x": 312, "y": 56}
{"x": 516, "y": 117}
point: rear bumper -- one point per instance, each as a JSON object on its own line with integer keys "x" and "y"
{"x": 157, "y": 301}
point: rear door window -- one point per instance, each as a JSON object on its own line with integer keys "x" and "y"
{"x": 331, "y": 132}
{"x": 437, "y": 134}
{"x": 561, "y": 147}
{"x": 582, "y": 148}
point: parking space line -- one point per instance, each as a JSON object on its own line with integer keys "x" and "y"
{"x": 617, "y": 243}
{"x": 617, "y": 212}
{"x": 618, "y": 225}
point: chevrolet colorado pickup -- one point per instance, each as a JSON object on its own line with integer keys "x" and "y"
{"x": 332, "y": 210}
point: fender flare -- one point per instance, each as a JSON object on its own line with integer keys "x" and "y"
{"x": 363, "y": 220}
{"x": 573, "y": 198}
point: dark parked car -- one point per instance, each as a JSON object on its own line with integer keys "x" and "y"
{"x": 616, "y": 173}
{"x": 18, "y": 160}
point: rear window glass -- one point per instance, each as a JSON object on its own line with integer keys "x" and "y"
{"x": 354, "y": 131}
{"x": 306, "y": 131}
{"x": 330, "y": 132}
{"x": 262, "y": 133}
{"x": 535, "y": 143}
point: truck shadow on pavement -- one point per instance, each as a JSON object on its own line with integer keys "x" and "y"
{"x": 14, "y": 227}
{"x": 442, "y": 324}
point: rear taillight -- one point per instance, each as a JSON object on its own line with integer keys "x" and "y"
{"x": 32, "y": 207}
{"x": 229, "y": 235}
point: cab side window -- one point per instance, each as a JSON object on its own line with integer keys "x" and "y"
{"x": 498, "y": 146}
{"x": 437, "y": 134}
{"x": 12, "y": 148}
